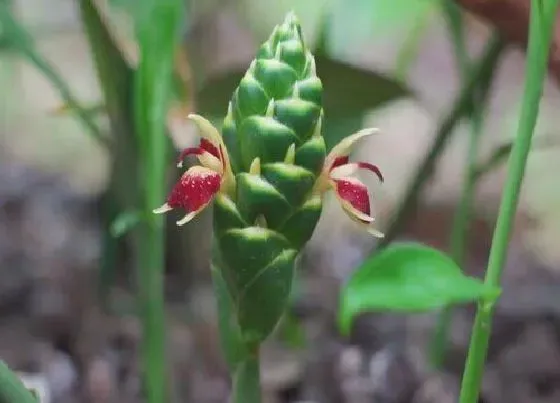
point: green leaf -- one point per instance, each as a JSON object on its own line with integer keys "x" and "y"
{"x": 408, "y": 277}
{"x": 349, "y": 90}
{"x": 124, "y": 223}
{"x": 12, "y": 388}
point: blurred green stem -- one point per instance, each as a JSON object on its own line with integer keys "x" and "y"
{"x": 12, "y": 390}
{"x": 479, "y": 77}
{"x": 158, "y": 33}
{"x": 541, "y": 27}
{"x": 21, "y": 41}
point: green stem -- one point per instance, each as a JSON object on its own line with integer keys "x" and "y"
{"x": 12, "y": 390}
{"x": 479, "y": 77}
{"x": 158, "y": 38}
{"x": 246, "y": 381}
{"x": 151, "y": 303}
{"x": 540, "y": 35}
{"x": 151, "y": 246}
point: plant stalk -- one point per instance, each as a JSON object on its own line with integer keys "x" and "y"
{"x": 246, "y": 381}
{"x": 158, "y": 39}
{"x": 543, "y": 13}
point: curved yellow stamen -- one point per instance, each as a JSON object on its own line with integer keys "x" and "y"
{"x": 187, "y": 218}
{"x": 162, "y": 209}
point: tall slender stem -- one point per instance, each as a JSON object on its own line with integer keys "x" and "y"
{"x": 543, "y": 13}
{"x": 158, "y": 37}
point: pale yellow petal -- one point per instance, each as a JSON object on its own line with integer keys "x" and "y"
{"x": 162, "y": 209}
{"x": 375, "y": 233}
{"x": 345, "y": 146}
{"x": 187, "y": 218}
{"x": 344, "y": 171}
{"x": 209, "y": 161}
{"x": 354, "y": 213}
{"x": 207, "y": 129}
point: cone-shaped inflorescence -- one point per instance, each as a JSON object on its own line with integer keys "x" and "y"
{"x": 273, "y": 135}
{"x": 267, "y": 172}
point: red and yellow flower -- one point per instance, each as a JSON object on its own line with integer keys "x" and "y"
{"x": 200, "y": 183}
{"x": 352, "y": 193}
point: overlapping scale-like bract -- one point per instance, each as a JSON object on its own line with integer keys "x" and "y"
{"x": 273, "y": 135}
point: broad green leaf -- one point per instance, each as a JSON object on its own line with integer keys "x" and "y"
{"x": 125, "y": 222}
{"x": 12, "y": 388}
{"x": 408, "y": 277}
{"x": 348, "y": 89}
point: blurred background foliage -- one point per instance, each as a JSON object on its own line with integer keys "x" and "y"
{"x": 66, "y": 111}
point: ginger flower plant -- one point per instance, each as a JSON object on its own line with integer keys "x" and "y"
{"x": 266, "y": 174}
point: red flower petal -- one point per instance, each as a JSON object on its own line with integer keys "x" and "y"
{"x": 372, "y": 168}
{"x": 339, "y": 161}
{"x": 207, "y": 146}
{"x": 204, "y": 146}
{"x": 189, "y": 151}
{"x": 195, "y": 189}
{"x": 355, "y": 193}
